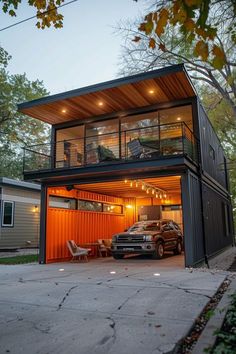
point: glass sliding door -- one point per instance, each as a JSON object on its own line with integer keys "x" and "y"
{"x": 102, "y": 141}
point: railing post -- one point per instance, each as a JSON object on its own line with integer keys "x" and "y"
{"x": 182, "y": 126}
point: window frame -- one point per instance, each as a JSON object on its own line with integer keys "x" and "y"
{"x": 12, "y": 214}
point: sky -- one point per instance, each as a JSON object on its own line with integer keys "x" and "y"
{"x": 86, "y": 51}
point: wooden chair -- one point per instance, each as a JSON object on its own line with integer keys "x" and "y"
{"x": 104, "y": 247}
{"x": 77, "y": 251}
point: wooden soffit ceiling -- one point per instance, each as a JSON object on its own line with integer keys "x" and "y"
{"x": 169, "y": 184}
{"x": 154, "y": 87}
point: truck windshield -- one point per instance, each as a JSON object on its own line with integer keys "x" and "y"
{"x": 153, "y": 226}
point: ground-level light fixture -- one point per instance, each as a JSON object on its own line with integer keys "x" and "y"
{"x": 156, "y": 274}
{"x": 61, "y": 270}
{"x": 112, "y": 272}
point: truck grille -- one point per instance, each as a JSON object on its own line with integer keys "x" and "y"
{"x": 132, "y": 247}
{"x": 130, "y": 238}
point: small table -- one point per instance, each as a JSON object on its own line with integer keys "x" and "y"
{"x": 92, "y": 244}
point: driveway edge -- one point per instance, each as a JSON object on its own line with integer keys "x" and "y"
{"x": 208, "y": 337}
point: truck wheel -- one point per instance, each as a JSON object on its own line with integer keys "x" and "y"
{"x": 159, "y": 251}
{"x": 179, "y": 247}
{"x": 118, "y": 256}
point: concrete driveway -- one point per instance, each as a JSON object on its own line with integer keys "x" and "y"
{"x": 104, "y": 306}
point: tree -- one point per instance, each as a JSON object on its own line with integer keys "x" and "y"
{"x": 162, "y": 39}
{"x": 17, "y": 130}
{"x": 46, "y": 11}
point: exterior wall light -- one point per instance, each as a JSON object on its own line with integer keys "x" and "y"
{"x": 129, "y": 206}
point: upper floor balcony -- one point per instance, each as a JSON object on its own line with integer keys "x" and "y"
{"x": 94, "y": 147}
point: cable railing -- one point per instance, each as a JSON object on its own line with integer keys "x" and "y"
{"x": 152, "y": 142}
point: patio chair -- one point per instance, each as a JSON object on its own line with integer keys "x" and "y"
{"x": 77, "y": 251}
{"x": 139, "y": 150}
{"x": 104, "y": 247}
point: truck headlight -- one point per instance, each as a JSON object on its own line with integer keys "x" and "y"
{"x": 148, "y": 238}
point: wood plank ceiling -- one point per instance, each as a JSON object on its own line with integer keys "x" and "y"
{"x": 120, "y": 98}
{"x": 171, "y": 185}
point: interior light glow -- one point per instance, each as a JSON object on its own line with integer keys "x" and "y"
{"x": 153, "y": 191}
{"x": 160, "y": 196}
{"x": 164, "y": 195}
{"x": 63, "y": 110}
{"x": 131, "y": 184}
{"x": 147, "y": 191}
{"x": 129, "y": 206}
{"x": 125, "y": 180}
{"x": 100, "y": 103}
{"x": 61, "y": 270}
{"x": 156, "y": 195}
{"x": 178, "y": 118}
{"x": 151, "y": 92}
{"x": 35, "y": 209}
{"x": 136, "y": 184}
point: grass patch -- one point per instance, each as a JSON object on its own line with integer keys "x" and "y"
{"x": 29, "y": 258}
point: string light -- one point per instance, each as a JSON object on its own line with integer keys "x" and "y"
{"x": 148, "y": 188}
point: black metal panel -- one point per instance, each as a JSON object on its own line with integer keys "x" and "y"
{"x": 217, "y": 220}
{"x": 43, "y": 220}
{"x": 212, "y": 153}
{"x": 192, "y": 217}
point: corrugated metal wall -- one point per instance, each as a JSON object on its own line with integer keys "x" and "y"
{"x": 83, "y": 226}
{"x": 212, "y": 165}
{"x": 214, "y": 220}
{"x": 192, "y": 219}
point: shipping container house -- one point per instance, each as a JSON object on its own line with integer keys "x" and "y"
{"x": 135, "y": 148}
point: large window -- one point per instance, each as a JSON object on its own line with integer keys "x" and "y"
{"x": 89, "y": 205}
{"x": 61, "y": 202}
{"x": 114, "y": 209}
{"x": 7, "y": 214}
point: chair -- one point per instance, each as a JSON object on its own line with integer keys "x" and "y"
{"x": 77, "y": 251}
{"x": 139, "y": 150}
{"x": 104, "y": 247}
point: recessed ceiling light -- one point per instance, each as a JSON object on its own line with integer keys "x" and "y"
{"x": 64, "y": 110}
{"x": 100, "y": 103}
{"x": 178, "y": 118}
{"x": 151, "y": 92}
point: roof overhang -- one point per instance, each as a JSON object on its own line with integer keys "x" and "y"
{"x": 154, "y": 87}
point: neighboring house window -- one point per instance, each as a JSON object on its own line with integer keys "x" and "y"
{"x": 212, "y": 152}
{"x": 7, "y": 214}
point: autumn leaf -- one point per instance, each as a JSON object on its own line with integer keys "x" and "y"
{"x": 136, "y": 39}
{"x": 201, "y": 50}
{"x": 152, "y": 43}
{"x": 162, "y": 47}
{"x": 218, "y": 63}
{"x": 218, "y": 52}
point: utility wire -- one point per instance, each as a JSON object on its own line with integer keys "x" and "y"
{"x": 35, "y": 16}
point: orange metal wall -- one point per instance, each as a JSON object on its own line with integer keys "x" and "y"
{"x": 174, "y": 199}
{"x": 83, "y": 226}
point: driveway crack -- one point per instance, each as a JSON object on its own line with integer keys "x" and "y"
{"x": 128, "y": 298}
{"x": 188, "y": 291}
{"x": 66, "y": 296}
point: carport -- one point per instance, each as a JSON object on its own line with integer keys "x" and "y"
{"x": 91, "y": 211}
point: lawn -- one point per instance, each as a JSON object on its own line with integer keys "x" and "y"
{"x": 29, "y": 258}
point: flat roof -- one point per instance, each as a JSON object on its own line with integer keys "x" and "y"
{"x": 19, "y": 184}
{"x": 171, "y": 83}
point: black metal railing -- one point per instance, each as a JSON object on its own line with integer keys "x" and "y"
{"x": 153, "y": 142}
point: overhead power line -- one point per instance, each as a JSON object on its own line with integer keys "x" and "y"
{"x": 35, "y": 16}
